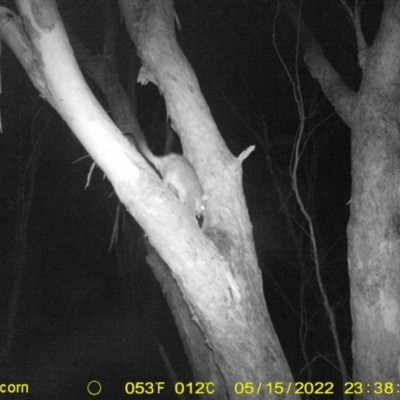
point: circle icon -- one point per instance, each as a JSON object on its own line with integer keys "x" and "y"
{"x": 94, "y": 388}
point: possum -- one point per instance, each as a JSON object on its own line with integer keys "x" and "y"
{"x": 177, "y": 173}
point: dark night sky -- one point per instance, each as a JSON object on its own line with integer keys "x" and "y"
{"x": 71, "y": 284}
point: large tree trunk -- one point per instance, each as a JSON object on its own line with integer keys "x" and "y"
{"x": 374, "y": 226}
{"x": 374, "y": 238}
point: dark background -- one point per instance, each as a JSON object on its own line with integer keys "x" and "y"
{"x": 83, "y": 313}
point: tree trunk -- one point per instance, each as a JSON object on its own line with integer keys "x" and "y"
{"x": 374, "y": 226}
{"x": 374, "y": 238}
{"x": 213, "y": 271}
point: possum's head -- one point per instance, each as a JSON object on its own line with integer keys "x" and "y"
{"x": 180, "y": 176}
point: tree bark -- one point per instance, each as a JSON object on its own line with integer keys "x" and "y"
{"x": 215, "y": 270}
{"x": 374, "y": 228}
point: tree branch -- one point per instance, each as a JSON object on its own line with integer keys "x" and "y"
{"x": 341, "y": 97}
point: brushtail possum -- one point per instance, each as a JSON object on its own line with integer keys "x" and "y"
{"x": 178, "y": 174}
